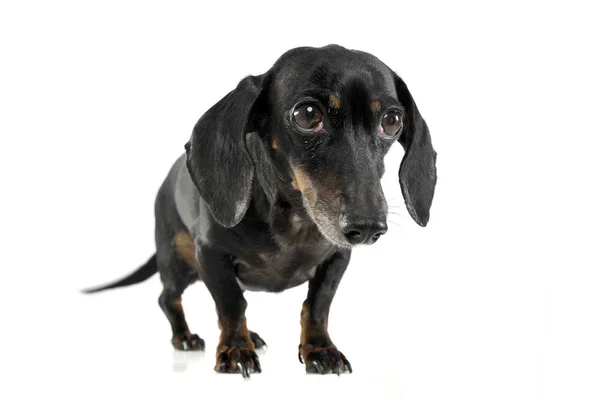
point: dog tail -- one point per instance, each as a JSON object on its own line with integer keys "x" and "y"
{"x": 141, "y": 274}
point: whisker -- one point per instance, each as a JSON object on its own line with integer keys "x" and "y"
{"x": 395, "y": 213}
{"x": 394, "y": 222}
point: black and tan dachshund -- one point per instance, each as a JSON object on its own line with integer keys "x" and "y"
{"x": 279, "y": 180}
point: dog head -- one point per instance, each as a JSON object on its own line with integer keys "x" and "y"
{"x": 326, "y": 117}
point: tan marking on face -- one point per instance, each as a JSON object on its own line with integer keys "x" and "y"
{"x": 329, "y": 192}
{"x": 275, "y": 143}
{"x": 375, "y": 105}
{"x": 301, "y": 181}
{"x": 321, "y": 199}
{"x": 185, "y": 249}
{"x": 334, "y": 101}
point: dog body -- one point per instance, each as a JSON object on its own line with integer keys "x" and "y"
{"x": 271, "y": 251}
{"x": 279, "y": 180}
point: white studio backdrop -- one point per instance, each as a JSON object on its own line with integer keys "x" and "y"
{"x": 497, "y": 298}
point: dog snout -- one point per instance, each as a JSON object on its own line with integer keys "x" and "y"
{"x": 360, "y": 230}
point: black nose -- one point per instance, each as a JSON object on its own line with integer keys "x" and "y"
{"x": 362, "y": 231}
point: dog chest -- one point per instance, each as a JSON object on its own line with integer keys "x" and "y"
{"x": 280, "y": 269}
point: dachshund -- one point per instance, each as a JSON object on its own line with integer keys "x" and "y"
{"x": 279, "y": 180}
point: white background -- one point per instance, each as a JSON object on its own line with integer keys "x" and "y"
{"x": 497, "y": 298}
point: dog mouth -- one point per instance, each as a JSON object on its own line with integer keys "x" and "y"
{"x": 322, "y": 206}
{"x": 329, "y": 230}
{"x": 334, "y": 226}
{"x": 326, "y": 221}
{"x": 326, "y": 215}
{"x": 336, "y": 239}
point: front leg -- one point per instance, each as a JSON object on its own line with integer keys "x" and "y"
{"x": 316, "y": 348}
{"x": 235, "y": 351}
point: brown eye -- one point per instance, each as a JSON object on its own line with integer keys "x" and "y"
{"x": 309, "y": 117}
{"x": 391, "y": 124}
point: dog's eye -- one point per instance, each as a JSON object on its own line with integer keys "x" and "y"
{"x": 391, "y": 124}
{"x": 309, "y": 117}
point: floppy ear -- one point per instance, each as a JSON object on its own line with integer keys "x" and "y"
{"x": 217, "y": 158}
{"x": 417, "y": 172}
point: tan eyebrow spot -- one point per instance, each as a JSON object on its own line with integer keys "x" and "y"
{"x": 375, "y": 105}
{"x": 275, "y": 144}
{"x": 334, "y": 101}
